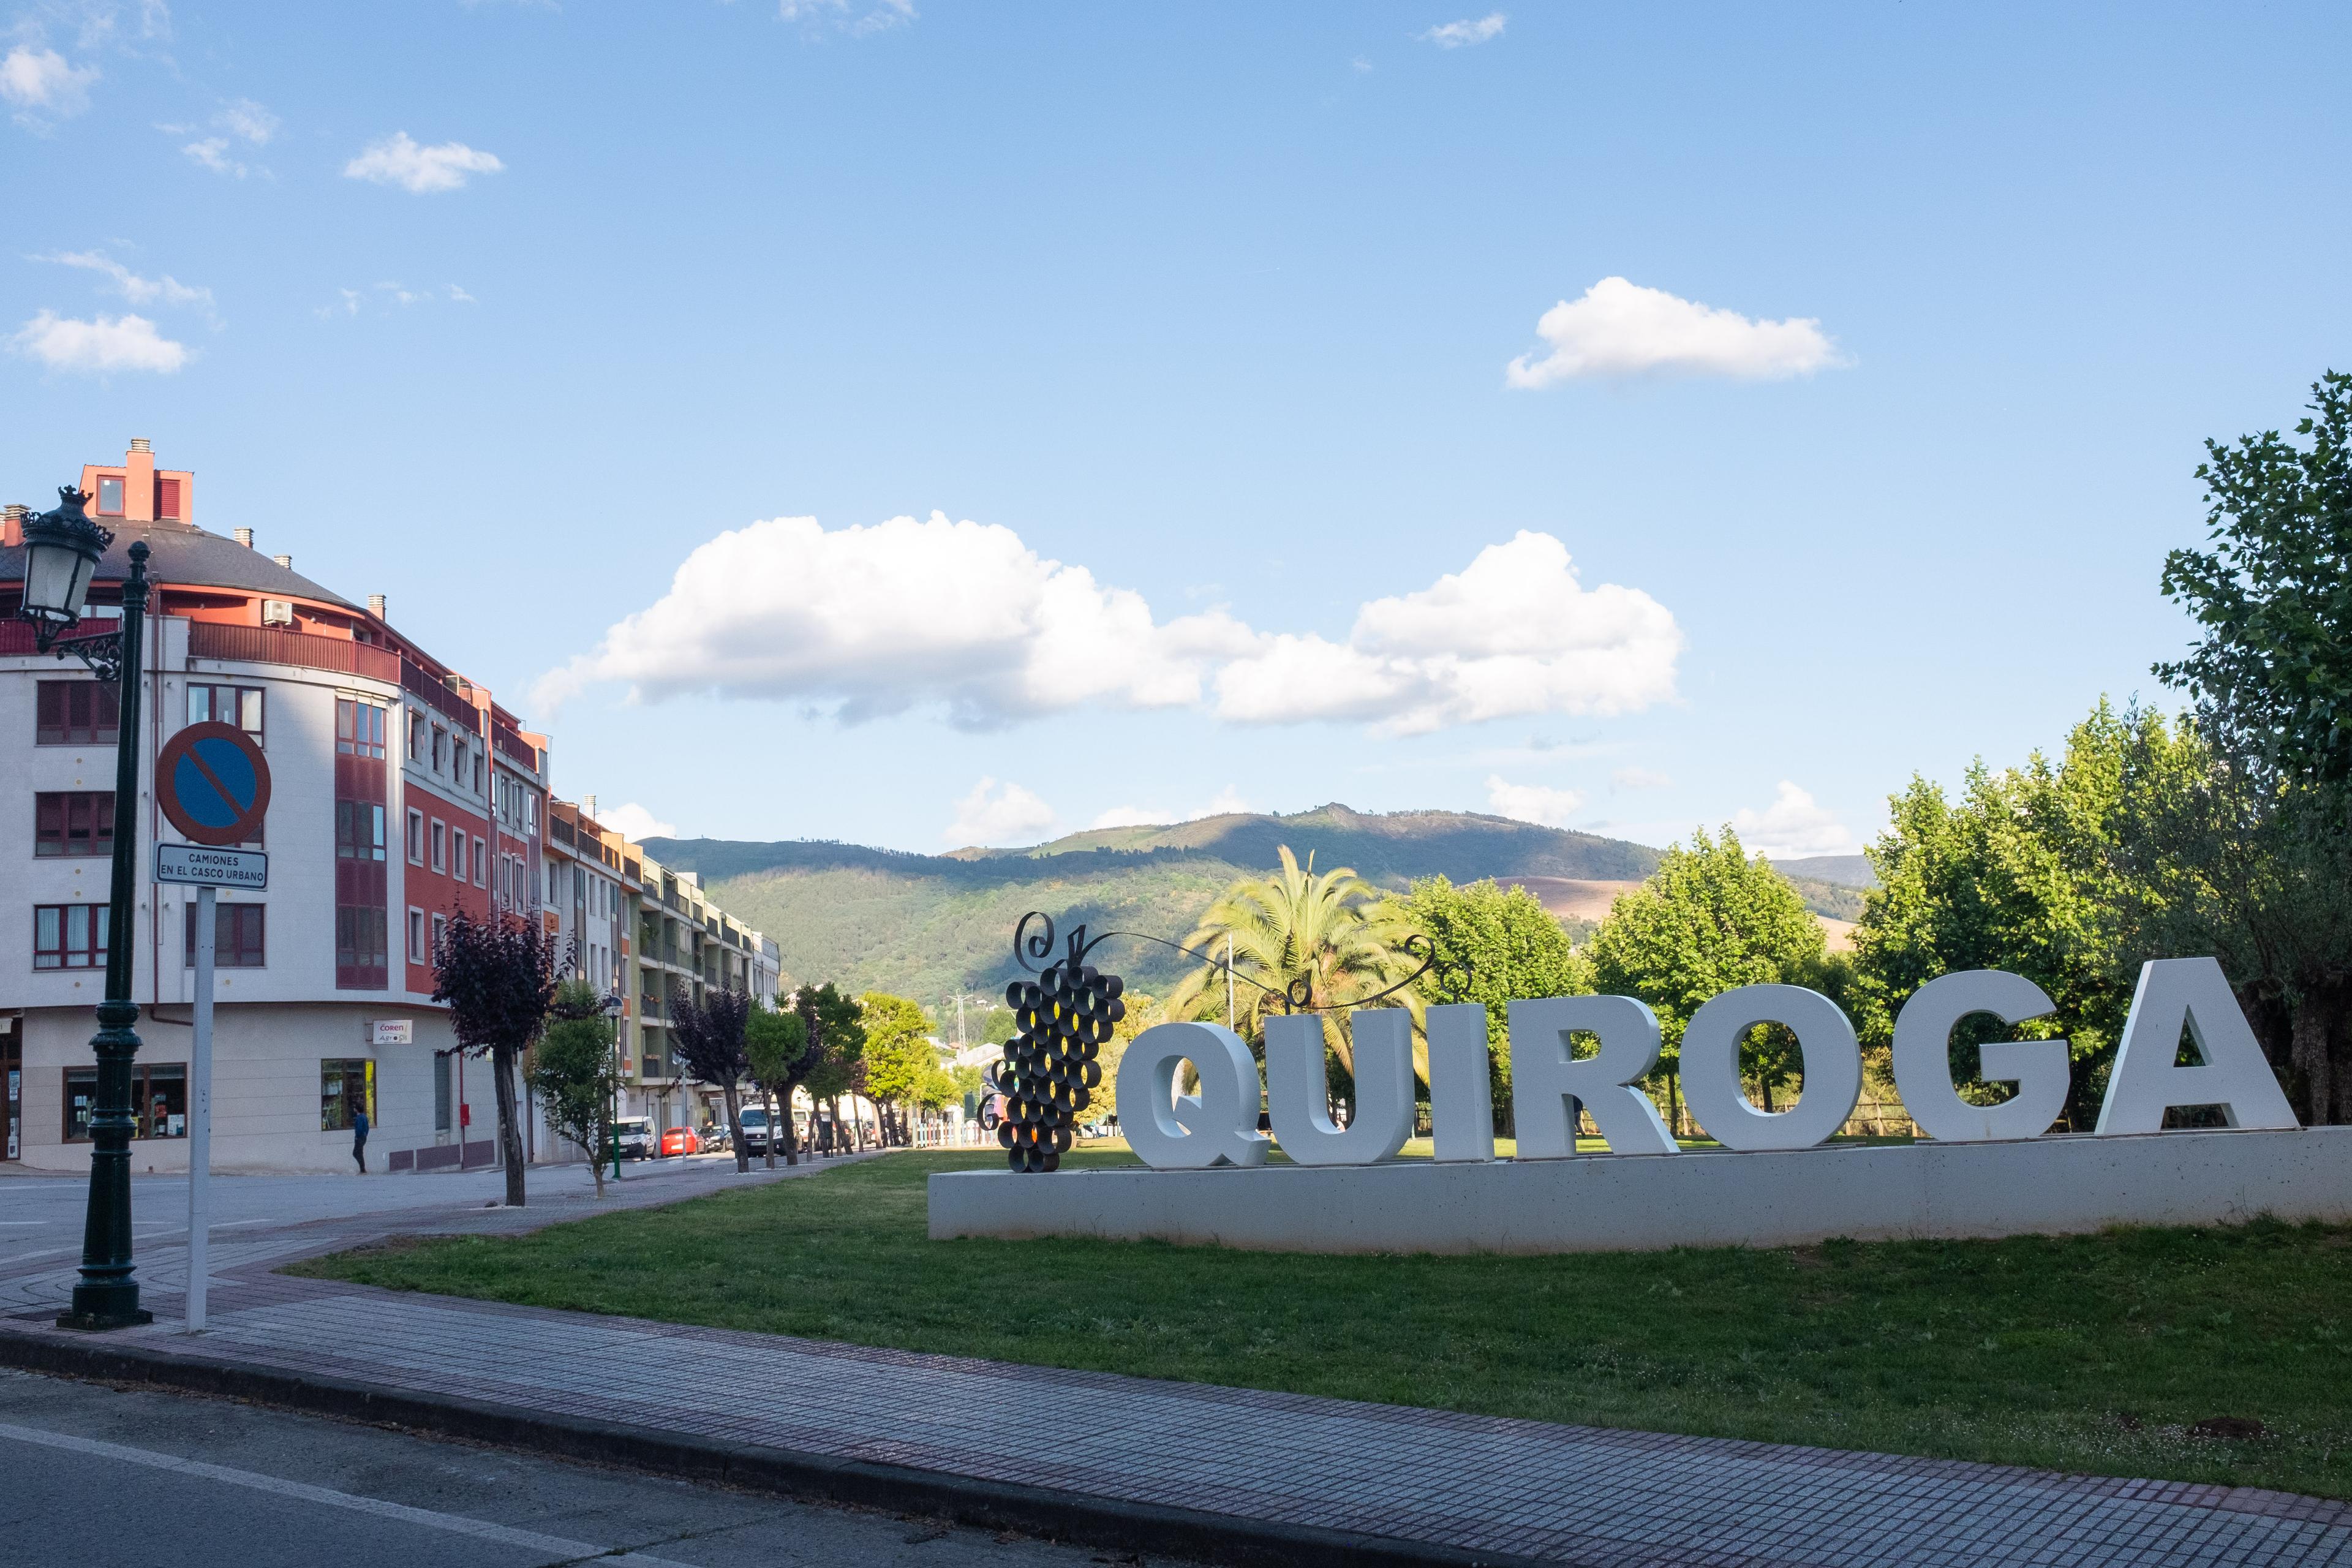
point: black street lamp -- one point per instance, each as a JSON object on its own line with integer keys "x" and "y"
{"x": 62, "y": 549}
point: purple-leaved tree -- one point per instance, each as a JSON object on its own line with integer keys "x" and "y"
{"x": 497, "y": 978}
{"x": 707, "y": 1036}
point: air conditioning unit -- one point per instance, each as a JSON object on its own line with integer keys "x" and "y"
{"x": 276, "y": 613}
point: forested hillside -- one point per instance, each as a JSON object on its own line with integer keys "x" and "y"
{"x": 928, "y": 926}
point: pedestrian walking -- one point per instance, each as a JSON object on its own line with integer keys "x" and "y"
{"x": 359, "y": 1138}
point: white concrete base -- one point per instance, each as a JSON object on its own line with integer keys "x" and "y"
{"x": 1625, "y": 1202}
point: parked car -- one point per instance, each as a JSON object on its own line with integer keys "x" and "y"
{"x": 680, "y": 1141}
{"x": 755, "y": 1131}
{"x": 633, "y": 1136}
{"x": 716, "y": 1139}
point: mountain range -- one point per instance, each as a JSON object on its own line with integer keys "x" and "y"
{"x": 933, "y": 926}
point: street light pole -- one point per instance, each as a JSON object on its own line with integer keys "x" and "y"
{"x": 62, "y": 549}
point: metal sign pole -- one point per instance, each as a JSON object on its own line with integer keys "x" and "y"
{"x": 200, "y": 1113}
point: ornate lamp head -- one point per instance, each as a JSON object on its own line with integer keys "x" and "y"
{"x": 62, "y": 549}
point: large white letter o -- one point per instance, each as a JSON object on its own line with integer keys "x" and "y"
{"x": 1711, "y": 1068}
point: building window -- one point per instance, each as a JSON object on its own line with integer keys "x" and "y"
{"x": 167, "y": 498}
{"x": 416, "y": 837}
{"x": 359, "y": 728}
{"x": 75, "y": 713}
{"x": 109, "y": 495}
{"x": 440, "y": 838}
{"x": 238, "y": 705}
{"x": 70, "y": 936}
{"x": 360, "y": 939}
{"x": 440, "y": 929}
{"x": 237, "y": 936}
{"x": 457, "y": 758}
{"x": 416, "y": 952}
{"x": 441, "y": 1095}
{"x": 440, "y": 750}
{"x": 358, "y": 831}
{"x": 477, "y": 773}
{"x": 416, "y": 735}
{"x": 159, "y": 1100}
{"x": 481, "y": 862}
{"x": 73, "y": 823}
{"x": 346, "y": 1085}
{"x": 529, "y": 815}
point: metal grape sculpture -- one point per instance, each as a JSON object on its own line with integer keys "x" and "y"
{"x": 1067, "y": 1014}
{"x": 1049, "y": 1073}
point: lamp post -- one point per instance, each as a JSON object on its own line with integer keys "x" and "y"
{"x": 62, "y": 549}
{"x": 613, "y": 1010}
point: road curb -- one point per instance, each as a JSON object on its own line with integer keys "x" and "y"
{"x": 1045, "y": 1511}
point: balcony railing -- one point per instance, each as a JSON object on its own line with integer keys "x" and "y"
{"x": 17, "y": 636}
{"x": 435, "y": 692}
{"x": 269, "y": 645}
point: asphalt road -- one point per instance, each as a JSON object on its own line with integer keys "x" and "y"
{"x": 101, "y": 1478}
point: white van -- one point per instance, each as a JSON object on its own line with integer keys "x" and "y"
{"x": 755, "y": 1131}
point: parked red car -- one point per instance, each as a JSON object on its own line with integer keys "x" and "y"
{"x": 680, "y": 1141}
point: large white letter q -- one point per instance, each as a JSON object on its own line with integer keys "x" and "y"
{"x": 1170, "y": 1131}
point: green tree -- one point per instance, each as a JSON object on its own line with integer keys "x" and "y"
{"x": 897, "y": 1053}
{"x": 1330, "y": 938}
{"x": 2021, "y": 873}
{"x": 1494, "y": 943}
{"x": 707, "y": 1038}
{"x": 574, "y": 1074}
{"x": 2259, "y": 846}
{"x": 1707, "y": 920}
{"x": 836, "y": 1033}
{"x": 775, "y": 1044}
{"x": 2272, "y": 675}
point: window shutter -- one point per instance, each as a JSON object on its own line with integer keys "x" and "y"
{"x": 167, "y": 498}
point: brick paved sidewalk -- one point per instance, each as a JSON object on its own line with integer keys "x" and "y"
{"x": 1270, "y": 1466}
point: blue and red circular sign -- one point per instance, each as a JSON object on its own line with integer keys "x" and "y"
{"x": 213, "y": 783}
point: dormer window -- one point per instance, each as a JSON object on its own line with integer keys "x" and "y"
{"x": 109, "y": 495}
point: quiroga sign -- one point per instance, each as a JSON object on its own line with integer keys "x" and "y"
{"x": 1982, "y": 1169}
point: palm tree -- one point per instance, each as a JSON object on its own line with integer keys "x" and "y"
{"x": 1331, "y": 937}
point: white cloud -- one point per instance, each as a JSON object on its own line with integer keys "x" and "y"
{"x": 1539, "y": 803}
{"x": 248, "y": 121}
{"x": 107, "y": 343}
{"x": 461, "y": 297}
{"x": 1792, "y": 827}
{"x": 1512, "y": 633}
{"x": 872, "y": 621}
{"x": 243, "y": 120}
{"x": 1468, "y": 31}
{"x": 877, "y": 16}
{"x": 996, "y": 814}
{"x": 1639, "y": 778}
{"x": 875, "y": 620}
{"x": 1227, "y": 802}
{"x": 634, "y": 821}
{"x": 1621, "y": 329}
{"x": 418, "y": 170}
{"x": 43, "y": 86}
{"x": 139, "y": 290}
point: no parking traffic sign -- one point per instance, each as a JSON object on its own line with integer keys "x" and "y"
{"x": 212, "y": 783}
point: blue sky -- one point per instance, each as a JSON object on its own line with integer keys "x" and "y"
{"x": 1204, "y": 318}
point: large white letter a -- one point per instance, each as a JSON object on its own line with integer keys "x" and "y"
{"x": 2147, "y": 1081}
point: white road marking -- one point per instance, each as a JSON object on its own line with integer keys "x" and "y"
{"x": 456, "y": 1524}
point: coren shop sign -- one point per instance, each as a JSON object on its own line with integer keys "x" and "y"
{"x": 1982, "y": 1169}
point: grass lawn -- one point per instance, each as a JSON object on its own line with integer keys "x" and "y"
{"x": 2094, "y": 1354}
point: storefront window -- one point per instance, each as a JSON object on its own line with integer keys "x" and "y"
{"x": 159, "y": 1100}
{"x": 345, "y": 1084}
